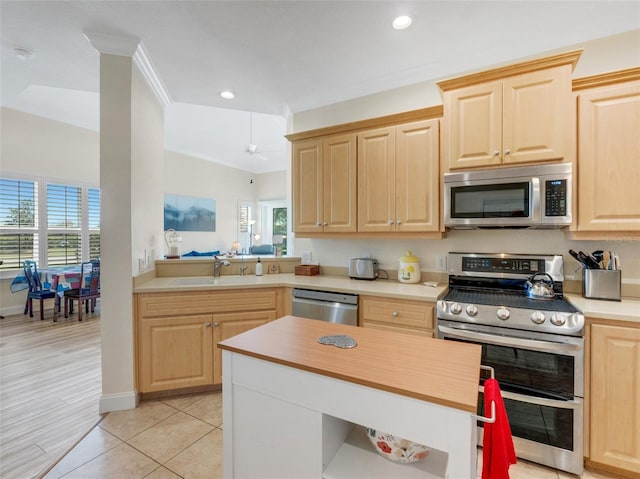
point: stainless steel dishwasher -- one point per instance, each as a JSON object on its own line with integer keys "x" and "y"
{"x": 326, "y": 306}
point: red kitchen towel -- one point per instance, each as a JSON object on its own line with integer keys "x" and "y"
{"x": 497, "y": 447}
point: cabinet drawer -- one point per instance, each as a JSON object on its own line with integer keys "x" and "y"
{"x": 397, "y": 313}
{"x": 171, "y": 304}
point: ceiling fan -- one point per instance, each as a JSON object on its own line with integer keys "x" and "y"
{"x": 252, "y": 148}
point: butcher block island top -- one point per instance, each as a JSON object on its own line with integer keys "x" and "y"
{"x": 433, "y": 370}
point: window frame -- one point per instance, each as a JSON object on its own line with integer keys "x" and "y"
{"x": 42, "y": 228}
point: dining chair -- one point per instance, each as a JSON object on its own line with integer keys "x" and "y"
{"x": 87, "y": 294}
{"x": 36, "y": 290}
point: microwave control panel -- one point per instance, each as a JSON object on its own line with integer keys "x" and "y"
{"x": 555, "y": 198}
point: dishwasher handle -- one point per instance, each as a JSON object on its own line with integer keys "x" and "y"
{"x": 327, "y": 296}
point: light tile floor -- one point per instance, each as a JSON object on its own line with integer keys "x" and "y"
{"x": 181, "y": 437}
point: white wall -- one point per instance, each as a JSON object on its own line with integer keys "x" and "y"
{"x": 185, "y": 175}
{"x": 34, "y": 145}
{"x": 608, "y": 54}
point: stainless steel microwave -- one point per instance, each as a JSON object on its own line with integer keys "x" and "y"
{"x": 513, "y": 197}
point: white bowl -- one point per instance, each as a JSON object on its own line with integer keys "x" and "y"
{"x": 395, "y": 448}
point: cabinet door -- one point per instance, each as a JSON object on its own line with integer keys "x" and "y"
{"x": 339, "y": 177}
{"x": 175, "y": 352}
{"x": 615, "y": 397}
{"x": 417, "y": 177}
{"x": 609, "y": 156}
{"x": 538, "y": 116}
{"x": 227, "y": 325}
{"x": 376, "y": 180}
{"x": 472, "y": 131}
{"x": 306, "y": 171}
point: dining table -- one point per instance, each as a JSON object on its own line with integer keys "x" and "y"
{"x": 56, "y": 278}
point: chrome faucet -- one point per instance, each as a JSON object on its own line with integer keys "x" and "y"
{"x": 218, "y": 264}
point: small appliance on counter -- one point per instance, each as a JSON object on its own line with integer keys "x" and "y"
{"x": 601, "y": 274}
{"x": 363, "y": 268}
{"x": 409, "y": 270}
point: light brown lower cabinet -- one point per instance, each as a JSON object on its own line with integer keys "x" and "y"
{"x": 177, "y": 333}
{"x": 176, "y": 352}
{"x": 614, "y": 416}
{"x": 228, "y": 325}
{"x": 399, "y": 315}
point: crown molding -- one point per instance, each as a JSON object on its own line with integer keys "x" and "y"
{"x": 143, "y": 62}
{"x": 128, "y": 46}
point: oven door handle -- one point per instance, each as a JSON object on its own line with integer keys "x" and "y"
{"x": 555, "y": 403}
{"x": 545, "y": 346}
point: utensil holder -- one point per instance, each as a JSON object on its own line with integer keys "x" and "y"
{"x": 602, "y": 284}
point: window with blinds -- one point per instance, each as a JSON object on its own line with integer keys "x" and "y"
{"x": 18, "y": 222}
{"x": 65, "y": 217}
{"x": 94, "y": 222}
{"x": 64, "y": 207}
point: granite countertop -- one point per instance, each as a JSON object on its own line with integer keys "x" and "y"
{"x": 379, "y": 287}
{"x": 625, "y": 310}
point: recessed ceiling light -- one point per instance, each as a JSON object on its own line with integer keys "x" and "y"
{"x": 227, "y": 95}
{"x": 402, "y": 22}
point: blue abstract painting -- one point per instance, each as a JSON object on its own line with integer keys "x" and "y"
{"x": 187, "y": 213}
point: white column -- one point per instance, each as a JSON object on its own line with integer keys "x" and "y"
{"x": 131, "y": 145}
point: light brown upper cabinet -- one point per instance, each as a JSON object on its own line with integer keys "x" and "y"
{"x": 609, "y": 154}
{"x": 518, "y": 114}
{"x": 324, "y": 185}
{"x": 398, "y": 169}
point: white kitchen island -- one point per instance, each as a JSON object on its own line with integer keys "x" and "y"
{"x": 294, "y": 408}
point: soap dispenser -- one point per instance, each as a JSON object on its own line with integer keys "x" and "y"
{"x": 258, "y": 268}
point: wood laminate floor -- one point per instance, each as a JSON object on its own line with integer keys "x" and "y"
{"x": 50, "y": 384}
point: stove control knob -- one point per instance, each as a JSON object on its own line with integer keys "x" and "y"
{"x": 472, "y": 310}
{"x": 456, "y": 308}
{"x": 558, "y": 319}
{"x": 537, "y": 317}
{"x": 503, "y": 314}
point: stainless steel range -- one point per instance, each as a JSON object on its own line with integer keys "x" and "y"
{"x": 533, "y": 341}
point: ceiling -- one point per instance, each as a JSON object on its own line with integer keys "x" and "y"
{"x": 277, "y": 56}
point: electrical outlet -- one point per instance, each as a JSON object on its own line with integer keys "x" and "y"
{"x": 441, "y": 263}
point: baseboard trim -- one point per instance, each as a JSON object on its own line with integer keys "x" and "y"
{"x": 118, "y": 402}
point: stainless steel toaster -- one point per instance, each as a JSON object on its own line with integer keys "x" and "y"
{"x": 363, "y": 268}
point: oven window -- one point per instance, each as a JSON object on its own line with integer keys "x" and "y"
{"x": 519, "y": 369}
{"x": 541, "y": 424}
{"x": 509, "y": 200}
{"x": 528, "y": 372}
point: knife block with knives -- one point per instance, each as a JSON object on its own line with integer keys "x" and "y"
{"x": 601, "y": 278}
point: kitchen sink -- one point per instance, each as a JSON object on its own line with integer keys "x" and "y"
{"x": 207, "y": 280}
{"x": 195, "y": 281}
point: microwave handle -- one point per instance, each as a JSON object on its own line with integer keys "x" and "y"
{"x": 544, "y": 346}
{"x": 536, "y": 200}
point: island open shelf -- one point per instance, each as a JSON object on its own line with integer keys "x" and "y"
{"x": 295, "y": 408}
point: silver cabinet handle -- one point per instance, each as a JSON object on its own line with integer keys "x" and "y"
{"x": 318, "y": 224}
{"x": 390, "y": 222}
{"x": 208, "y": 325}
{"x": 394, "y": 314}
{"x": 216, "y": 325}
{"x": 496, "y": 153}
{"x": 399, "y": 222}
{"x": 324, "y": 224}
{"x": 507, "y": 151}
